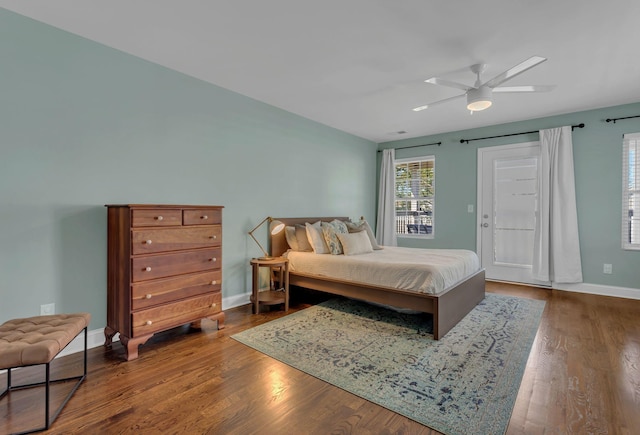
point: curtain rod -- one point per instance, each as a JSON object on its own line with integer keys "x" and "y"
{"x": 513, "y": 134}
{"x": 618, "y": 119}
{"x": 416, "y": 146}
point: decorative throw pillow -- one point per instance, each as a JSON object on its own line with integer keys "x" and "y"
{"x": 330, "y": 231}
{"x": 355, "y": 243}
{"x": 316, "y": 239}
{"x": 290, "y": 235}
{"x": 303, "y": 241}
{"x": 340, "y": 226}
{"x": 355, "y": 227}
{"x": 363, "y": 225}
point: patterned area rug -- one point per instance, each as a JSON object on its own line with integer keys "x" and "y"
{"x": 465, "y": 383}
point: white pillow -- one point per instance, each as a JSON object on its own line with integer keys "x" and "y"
{"x": 316, "y": 238}
{"x": 363, "y": 225}
{"x": 355, "y": 243}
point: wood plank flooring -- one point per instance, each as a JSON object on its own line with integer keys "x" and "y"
{"x": 582, "y": 377}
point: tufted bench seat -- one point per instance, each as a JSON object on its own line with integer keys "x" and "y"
{"x": 37, "y": 340}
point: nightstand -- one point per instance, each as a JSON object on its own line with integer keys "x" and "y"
{"x": 278, "y": 266}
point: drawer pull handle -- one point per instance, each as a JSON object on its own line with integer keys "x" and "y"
{"x": 214, "y": 259}
{"x": 214, "y": 282}
{"x": 159, "y": 218}
{"x": 148, "y": 242}
{"x": 204, "y": 217}
{"x": 213, "y": 237}
{"x": 148, "y": 268}
{"x": 147, "y": 296}
{"x": 213, "y": 305}
{"x": 148, "y": 322}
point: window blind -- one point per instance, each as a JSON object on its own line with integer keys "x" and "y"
{"x": 414, "y": 197}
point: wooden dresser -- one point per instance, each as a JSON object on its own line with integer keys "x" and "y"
{"x": 164, "y": 269}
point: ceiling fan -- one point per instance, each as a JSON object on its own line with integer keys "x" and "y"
{"x": 479, "y": 96}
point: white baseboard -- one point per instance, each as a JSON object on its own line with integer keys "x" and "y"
{"x": 96, "y": 337}
{"x": 598, "y": 289}
{"x": 236, "y": 301}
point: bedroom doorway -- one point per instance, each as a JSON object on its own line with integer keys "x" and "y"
{"x": 507, "y": 205}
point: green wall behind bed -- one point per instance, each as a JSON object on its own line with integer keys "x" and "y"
{"x": 84, "y": 125}
{"x": 598, "y": 173}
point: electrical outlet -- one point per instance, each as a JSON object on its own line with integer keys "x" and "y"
{"x": 47, "y": 309}
{"x": 608, "y": 269}
{"x": 469, "y": 208}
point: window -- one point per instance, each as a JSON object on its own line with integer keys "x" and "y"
{"x": 631, "y": 191}
{"x": 414, "y": 197}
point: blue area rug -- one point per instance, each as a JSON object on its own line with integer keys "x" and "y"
{"x": 465, "y": 383}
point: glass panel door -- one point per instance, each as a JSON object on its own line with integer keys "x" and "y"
{"x": 507, "y": 207}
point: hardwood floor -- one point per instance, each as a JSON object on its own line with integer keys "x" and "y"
{"x": 582, "y": 377}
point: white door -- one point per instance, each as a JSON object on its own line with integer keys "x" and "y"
{"x": 507, "y": 205}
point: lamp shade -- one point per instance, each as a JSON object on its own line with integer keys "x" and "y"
{"x": 479, "y": 99}
{"x": 275, "y": 227}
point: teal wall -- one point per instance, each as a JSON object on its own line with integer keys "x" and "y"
{"x": 84, "y": 125}
{"x": 598, "y": 171}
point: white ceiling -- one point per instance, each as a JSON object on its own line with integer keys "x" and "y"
{"x": 360, "y": 65}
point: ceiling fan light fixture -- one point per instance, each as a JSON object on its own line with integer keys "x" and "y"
{"x": 479, "y": 99}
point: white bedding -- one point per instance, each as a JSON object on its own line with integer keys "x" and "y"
{"x": 422, "y": 270}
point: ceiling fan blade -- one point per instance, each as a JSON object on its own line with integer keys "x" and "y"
{"x": 514, "y": 71}
{"x": 448, "y": 83}
{"x": 426, "y": 106}
{"x": 526, "y": 88}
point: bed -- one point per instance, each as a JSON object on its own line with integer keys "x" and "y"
{"x": 448, "y": 301}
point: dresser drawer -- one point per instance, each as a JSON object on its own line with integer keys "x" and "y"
{"x": 145, "y": 294}
{"x": 149, "y": 241}
{"x": 175, "y": 314}
{"x": 179, "y": 263}
{"x": 156, "y": 217}
{"x": 207, "y": 216}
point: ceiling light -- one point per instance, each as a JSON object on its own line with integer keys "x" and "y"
{"x": 479, "y": 99}
{"x": 417, "y": 109}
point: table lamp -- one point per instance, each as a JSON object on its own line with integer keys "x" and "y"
{"x": 275, "y": 226}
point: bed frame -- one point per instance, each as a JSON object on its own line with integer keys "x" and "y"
{"x": 447, "y": 307}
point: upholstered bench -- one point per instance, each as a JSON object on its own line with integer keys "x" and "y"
{"x": 36, "y": 341}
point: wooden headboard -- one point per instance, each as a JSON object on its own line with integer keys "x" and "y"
{"x": 278, "y": 241}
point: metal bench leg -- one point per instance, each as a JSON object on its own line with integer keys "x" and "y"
{"x": 6, "y": 391}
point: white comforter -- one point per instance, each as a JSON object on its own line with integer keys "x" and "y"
{"x": 422, "y": 270}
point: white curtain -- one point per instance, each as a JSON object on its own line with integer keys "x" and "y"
{"x": 386, "y": 223}
{"x": 556, "y": 256}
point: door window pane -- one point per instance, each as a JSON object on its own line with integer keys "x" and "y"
{"x": 515, "y": 200}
